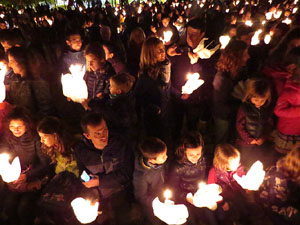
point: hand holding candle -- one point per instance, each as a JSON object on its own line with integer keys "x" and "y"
{"x": 168, "y": 212}
{"x": 84, "y": 210}
{"x": 254, "y": 177}
{"x": 207, "y": 196}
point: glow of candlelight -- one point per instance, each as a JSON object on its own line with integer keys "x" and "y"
{"x": 84, "y": 210}
{"x": 190, "y": 5}
{"x": 167, "y": 36}
{"x": 224, "y": 40}
{"x": 208, "y": 195}
{"x": 2, "y": 15}
{"x": 116, "y": 13}
{"x": 150, "y": 4}
{"x": 263, "y": 22}
{"x": 20, "y": 11}
{"x": 255, "y": 38}
{"x": 201, "y": 5}
{"x": 193, "y": 82}
{"x": 254, "y": 177}
{"x": 249, "y": 23}
{"x": 227, "y": 10}
{"x": 3, "y": 71}
{"x": 287, "y": 21}
{"x": 74, "y": 86}
{"x": 124, "y": 13}
{"x": 167, "y": 194}
{"x": 80, "y": 9}
{"x": 140, "y": 10}
{"x": 9, "y": 172}
{"x": 49, "y": 21}
{"x": 170, "y": 213}
{"x": 267, "y": 39}
{"x": 277, "y": 14}
{"x": 295, "y": 10}
{"x": 269, "y": 15}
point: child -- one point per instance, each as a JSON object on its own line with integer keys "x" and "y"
{"x": 287, "y": 110}
{"x": 149, "y": 173}
{"x": 186, "y": 174}
{"x": 226, "y": 163}
{"x": 112, "y": 57}
{"x": 254, "y": 121}
{"x": 190, "y": 168}
{"x": 98, "y": 73}
{"x": 152, "y": 88}
{"x": 279, "y": 192}
{"x": 119, "y": 109}
{"x": 75, "y": 54}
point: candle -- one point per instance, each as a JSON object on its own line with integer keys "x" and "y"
{"x": 249, "y": 23}
{"x": 9, "y": 172}
{"x": 74, "y": 86}
{"x": 267, "y": 39}
{"x": 84, "y": 210}
{"x": 253, "y": 179}
{"x": 193, "y": 82}
{"x": 287, "y": 21}
{"x": 255, "y": 39}
{"x": 224, "y": 40}
{"x": 168, "y": 212}
{"x": 206, "y": 196}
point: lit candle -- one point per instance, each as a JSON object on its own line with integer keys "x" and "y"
{"x": 84, "y": 210}
{"x": 224, "y": 40}
{"x": 287, "y": 21}
{"x": 9, "y": 172}
{"x": 253, "y": 179}
{"x": 255, "y": 39}
{"x": 208, "y": 195}
{"x": 267, "y": 39}
{"x": 74, "y": 86}
{"x": 193, "y": 82}
{"x": 249, "y": 23}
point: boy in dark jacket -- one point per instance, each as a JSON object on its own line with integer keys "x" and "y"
{"x": 149, "y": 174}
{"x": 75, "y": 54}
{"x": 107, "y": 159}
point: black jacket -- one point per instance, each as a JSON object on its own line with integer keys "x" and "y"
{"x": 185, "y": 177}
{"x": 113, "y": 164}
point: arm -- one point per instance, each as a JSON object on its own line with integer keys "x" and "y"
{"x": 241, "y": 126}
{"x": 141, "y": 189}
{"x": 284, "y": 107}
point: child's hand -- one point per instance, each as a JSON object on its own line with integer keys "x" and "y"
{"x": 99, "y": 95}
{"x": 189, "y": 198}
{"x": 193, "y": 57}
{"x": 85, "y": 105}
{"x": 253, "y": 142}
{"x": 69, "y": 99}
{"x": 92, "y": 183}
{"x": 226, "y": 206}
{"x": 172, "y": 51}
{"x": 260, "y": 141}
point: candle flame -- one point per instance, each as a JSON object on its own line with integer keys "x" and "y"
{"x": 192, "y": 83}
{"x": 254, "y": 177}
{"x": 267, "y": 39}
{"x": 84, "y": 210}
{"x": 167, "y": 36}
{"x": 269, "y": 15}
{"x": 277, "y": 14}
{"x": 3, "y": 70}
{"x": 167, "y": 194}
{"x": 249, "y": 23}
{"x": 9, "y": 172}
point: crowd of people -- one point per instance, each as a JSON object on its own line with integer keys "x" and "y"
{"x": 138, "y": 133}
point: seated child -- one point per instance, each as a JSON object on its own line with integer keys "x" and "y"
{"x": 186, "y": 174}
{"x": 149, "y": 174}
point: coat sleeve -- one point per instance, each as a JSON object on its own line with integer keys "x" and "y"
{"x": 141, "y": 189}
{"x": 285, "y": 108}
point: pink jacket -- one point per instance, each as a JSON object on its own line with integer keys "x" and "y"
{"x": 288, "y": 109}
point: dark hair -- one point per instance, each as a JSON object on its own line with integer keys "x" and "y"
{"x": 91, "y": 118}
{"x": 71, "y": 32}
{"x": 95, "y": 49}
{"x": 19, "y": 113}
{"x": 293, "y": 57}
{"x": 192, "y": 139}
{"x": 19, "y": 54}
{"x": 197, "y": 23}
{"x": 258, "y": 87}
{"x": 124, "y": 81}
{"x": 52, "y": 125}
{"x": 151, "y": 147}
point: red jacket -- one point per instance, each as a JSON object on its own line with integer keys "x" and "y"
{"x": 278, "y": 75}
{"x": 288, "y": 109}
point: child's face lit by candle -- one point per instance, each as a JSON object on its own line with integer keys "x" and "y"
{"x": 233, "y": 163}
{"x": 160, "y": 158}
{"x": 258, "y": 101}
{"x": 193, "y": 154}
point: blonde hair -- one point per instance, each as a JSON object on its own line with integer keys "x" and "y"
{"x": 223, "y": 153}
{"x": 123, "y": 81}
{"x": 290, "y": 165}
{"x": 148, "y": 57}
{"x": 258, "y": 87}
